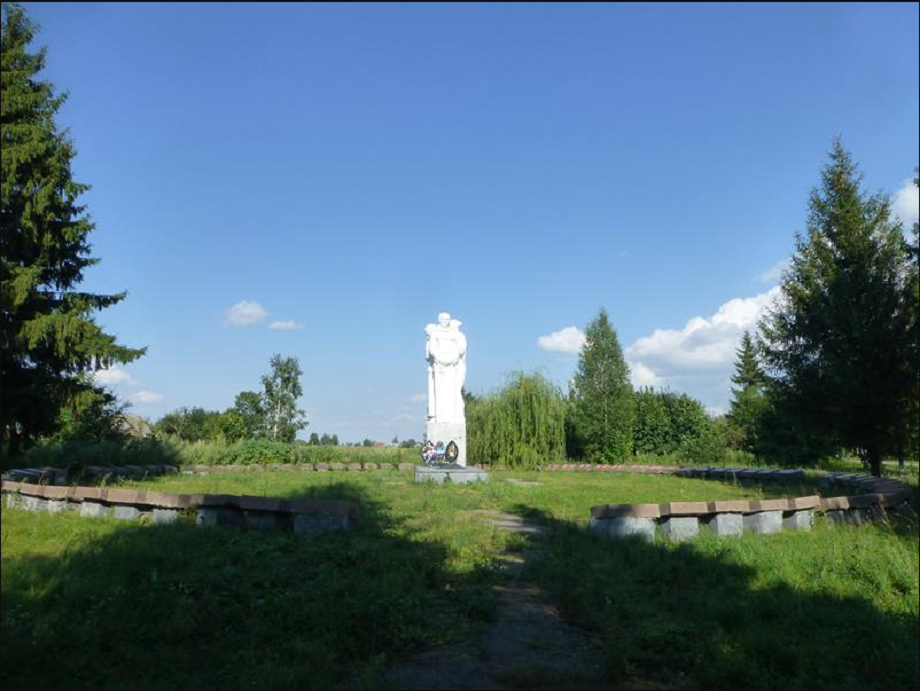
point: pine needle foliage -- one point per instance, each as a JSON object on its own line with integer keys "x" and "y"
{"x": 837, "y": 340}
{"x": 49, "y": 336}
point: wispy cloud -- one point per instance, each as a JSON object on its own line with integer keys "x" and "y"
{"x": 774, "y": 273}
{"x": 568, "y": 340}
{"x": 419, "y": 397}
{"x": 245, "y": 313}
{"x": 290, "y": 325}
{"x": 112, "y": 376}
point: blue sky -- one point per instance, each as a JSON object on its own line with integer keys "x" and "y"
{"x": 354, "y": 170}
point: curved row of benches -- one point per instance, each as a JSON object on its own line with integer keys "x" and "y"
{"x": 253, "y": 512}
{"x": 684, "y": 520}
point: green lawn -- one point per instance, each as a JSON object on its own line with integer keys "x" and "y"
{"x": 103, "y": 604}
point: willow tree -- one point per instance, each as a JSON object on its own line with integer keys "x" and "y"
{"x": 50, "y": 339}
{"x": 521, "y": 425}
{"x": 602, "y": 405}
{"x": 837, "y": 340}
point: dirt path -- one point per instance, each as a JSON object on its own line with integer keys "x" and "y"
{"x": 527, "y": 646}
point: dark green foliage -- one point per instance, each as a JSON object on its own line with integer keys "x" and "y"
{"x": 281, "y": 389}
{"x": 837, "y": 341}
{"x": 327, "y": 440}
{"x": 48, "y": 332}
{"x": 246, "y": 419}
{"x": 95, "y": 415}
{"x": 749, "y": 402}
{"x": 709, "y": 447}
{"x": 522, "y": 425}
{"x": 664, "y": 421}
{"x": 191, "y": 424}
{"x": 602, "y": 404}
{"x": 911, "y": 442}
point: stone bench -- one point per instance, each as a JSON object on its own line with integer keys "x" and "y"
{"x": 251, "y": 512}
{"x": 683, "y": 520}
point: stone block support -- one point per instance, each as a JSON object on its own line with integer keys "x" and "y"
{"x": 726, "y": 524}
{"x": 680, "y": 528}
{"x": 764, "y": 522}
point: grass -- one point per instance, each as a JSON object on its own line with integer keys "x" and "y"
{"x": 103, "y": 604}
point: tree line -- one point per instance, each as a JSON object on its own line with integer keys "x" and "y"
{"x": 271, "y": 413}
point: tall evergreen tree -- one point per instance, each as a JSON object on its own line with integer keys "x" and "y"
{"x": 281, "y": 389}
{"x": 911, "y": 434}
{"x": 749, "y": 402}
{"x": 836, "y": 341}
{"x": 48, "y": 334}
{"x": 602, "y": 403}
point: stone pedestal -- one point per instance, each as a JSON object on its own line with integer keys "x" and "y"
{"x": 764, "y": 522}
{"x": 726, "y": 524}
{"x": 624, "y": 527}
{"x": 458, "y": 475}
{"x": 448, "y": 432}
{"x": 680, "y": 528}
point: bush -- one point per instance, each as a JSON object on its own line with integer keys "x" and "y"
{"x": 708, "y": 448}
{"x": 665, "y": 421}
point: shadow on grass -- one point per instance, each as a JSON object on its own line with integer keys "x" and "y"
{"x": 714, "y": 614}
{"x": 178, "y": 606}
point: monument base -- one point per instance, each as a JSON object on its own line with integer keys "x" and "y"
{"x": 447, "y": 432}
{"x": 459, "y": 475}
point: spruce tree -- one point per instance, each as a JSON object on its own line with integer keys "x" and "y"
{"x": 49, "y": 336}
{"x": 911, "y": 434}
{"x": 602, "y": 402}
{"x": 748, "y": 399}
{"x": 836, "y": 341}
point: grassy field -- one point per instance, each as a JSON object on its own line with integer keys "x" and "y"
{"x": 102, "y": 604}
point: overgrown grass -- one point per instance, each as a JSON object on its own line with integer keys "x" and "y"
{"x": 174, "y": 452}
{"x": 76, "y": 455}
{"x": 835, "y": 608}
{"x": 103, "y": 604}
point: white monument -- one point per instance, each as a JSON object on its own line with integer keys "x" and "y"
{"x": 445, "y": 352}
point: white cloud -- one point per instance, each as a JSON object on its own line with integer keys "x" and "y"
{"x": 568, "y": 340}
{"x": 245, "y": 313}
{"x": 147, "y": 397}
{"x": 419, "y": 397}
{"x": 698, "y": 358}
{"x": 286, "y": 326}
{"x": 774, "y": 273}
{"x": 906, "y": 204}
{"x": 112, "y": 376}
{"x": 643, "y": 376}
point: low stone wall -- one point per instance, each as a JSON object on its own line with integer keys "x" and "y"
{"x": 251, "y": 512}
{"x": 684, "y": 520}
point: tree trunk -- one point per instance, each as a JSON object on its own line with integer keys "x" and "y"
{"x": 874, "y": 456}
